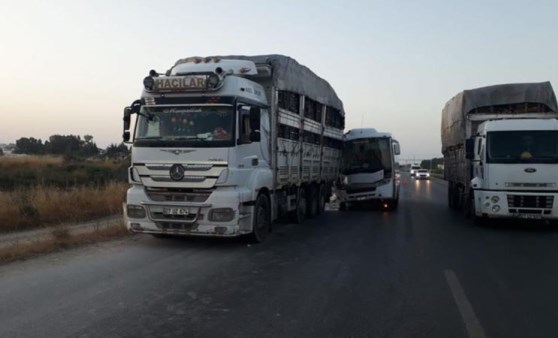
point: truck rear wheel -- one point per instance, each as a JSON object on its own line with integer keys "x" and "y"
{"x": 321, "y": 199}
{"x": 450, "y": 195}
{"x": 299, "y": 214}
{"x": 262, "y": 219}
{"x": 312, "y": 202}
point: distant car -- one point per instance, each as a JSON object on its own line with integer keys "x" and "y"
{"x": 422, "y": 174}
{"x": 414, "y": 169}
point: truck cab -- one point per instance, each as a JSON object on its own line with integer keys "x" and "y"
{"x": 515, "y": 166}
{"x": 201, "y": 150}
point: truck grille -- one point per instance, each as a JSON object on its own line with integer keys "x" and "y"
{"x": 528, "y": 201}
{"x": 529, "y": 204}
{"x": 174, "y": 195}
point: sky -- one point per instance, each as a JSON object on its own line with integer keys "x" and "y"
{"x": 70, "y": 67}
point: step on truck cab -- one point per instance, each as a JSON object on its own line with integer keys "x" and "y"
{"x": 500, "y": 146}
{"x": 370, "y": 169}
{"x": 225, "y": 145}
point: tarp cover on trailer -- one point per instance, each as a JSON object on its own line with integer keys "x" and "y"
{"x": 454, "y": 114}
{"x": 291, "y": 76}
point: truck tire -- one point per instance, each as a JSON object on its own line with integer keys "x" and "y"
{"x": 393, "y": 204}
{"x": 321, "y": 199}
{"x": 312, "y": 202}
{"x": 261, "y": 220}
{"x": 298, "y": 216}
{"x": 343, "y": 206}
{"x": 469, "y": 205}
{"x": 451, "y": 199}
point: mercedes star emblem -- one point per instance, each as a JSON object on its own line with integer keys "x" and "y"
{"x": 177, "y": 172}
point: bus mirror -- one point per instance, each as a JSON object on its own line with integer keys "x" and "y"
{"x": 396, "y": 148}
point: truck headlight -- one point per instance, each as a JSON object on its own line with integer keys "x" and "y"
{"x": 495, "y": 199}
{"x": 496, "y": 208}
{"x": 135, "y": 211}
{"x": 221, "y": 215}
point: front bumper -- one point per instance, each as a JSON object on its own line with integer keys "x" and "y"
{"x": 526, "y": 205}
{"x": 196, "y": 222}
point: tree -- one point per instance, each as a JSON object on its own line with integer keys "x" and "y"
{"x": 117, "y": 150}
{"x": 89, "y": 148}
{"x": 29, "y": 146}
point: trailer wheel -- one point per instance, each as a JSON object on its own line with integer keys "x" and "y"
{"x": 299, "y": 215}
{"x": 321, "y": 199}
{"x": 262, "y": 219}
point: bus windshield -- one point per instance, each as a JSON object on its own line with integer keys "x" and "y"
{"x": 367, "y": 156}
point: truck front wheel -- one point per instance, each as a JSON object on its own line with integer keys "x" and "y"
{"x": 262, "y": 219}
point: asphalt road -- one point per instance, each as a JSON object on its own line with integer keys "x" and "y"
{"x": 421, "y": 271}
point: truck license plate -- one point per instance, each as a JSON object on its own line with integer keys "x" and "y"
{"x": 176, "y": 211}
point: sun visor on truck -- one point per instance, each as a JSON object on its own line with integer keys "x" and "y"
{"x": 287, "y": 74}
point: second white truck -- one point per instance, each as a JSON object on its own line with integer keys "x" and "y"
{"x": 500, "y": 146}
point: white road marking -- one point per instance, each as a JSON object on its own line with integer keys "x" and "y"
{"x": 472, "y": 323}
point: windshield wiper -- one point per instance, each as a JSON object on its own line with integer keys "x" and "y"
{"x": 189, "y": 138}
{"x": 149, "y": 138}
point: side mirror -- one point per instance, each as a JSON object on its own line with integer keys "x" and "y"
{"x": 127, "y": 118}
{"x": 255, "y": 117}
{"x": 126, "y": 136}
{"x": 255, "y": 136}
{"x": 470, "y": 148}
{"x": 396, "y": 148}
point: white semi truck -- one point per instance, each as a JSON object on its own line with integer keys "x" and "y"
{"x": 500, "y": 146}
{"x": 370, "y": 170}
{"x": 225, "y": 145}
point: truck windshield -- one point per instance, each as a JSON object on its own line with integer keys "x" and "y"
{"x": 194, "y": 126}
{"x": 367, "y": 156}
{"x": 522, "y": 147}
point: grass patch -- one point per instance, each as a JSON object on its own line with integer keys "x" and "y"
{"x": 29, "y": 171}
{"x": 62, "y": 239}
{"x": 42, "y": 205}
